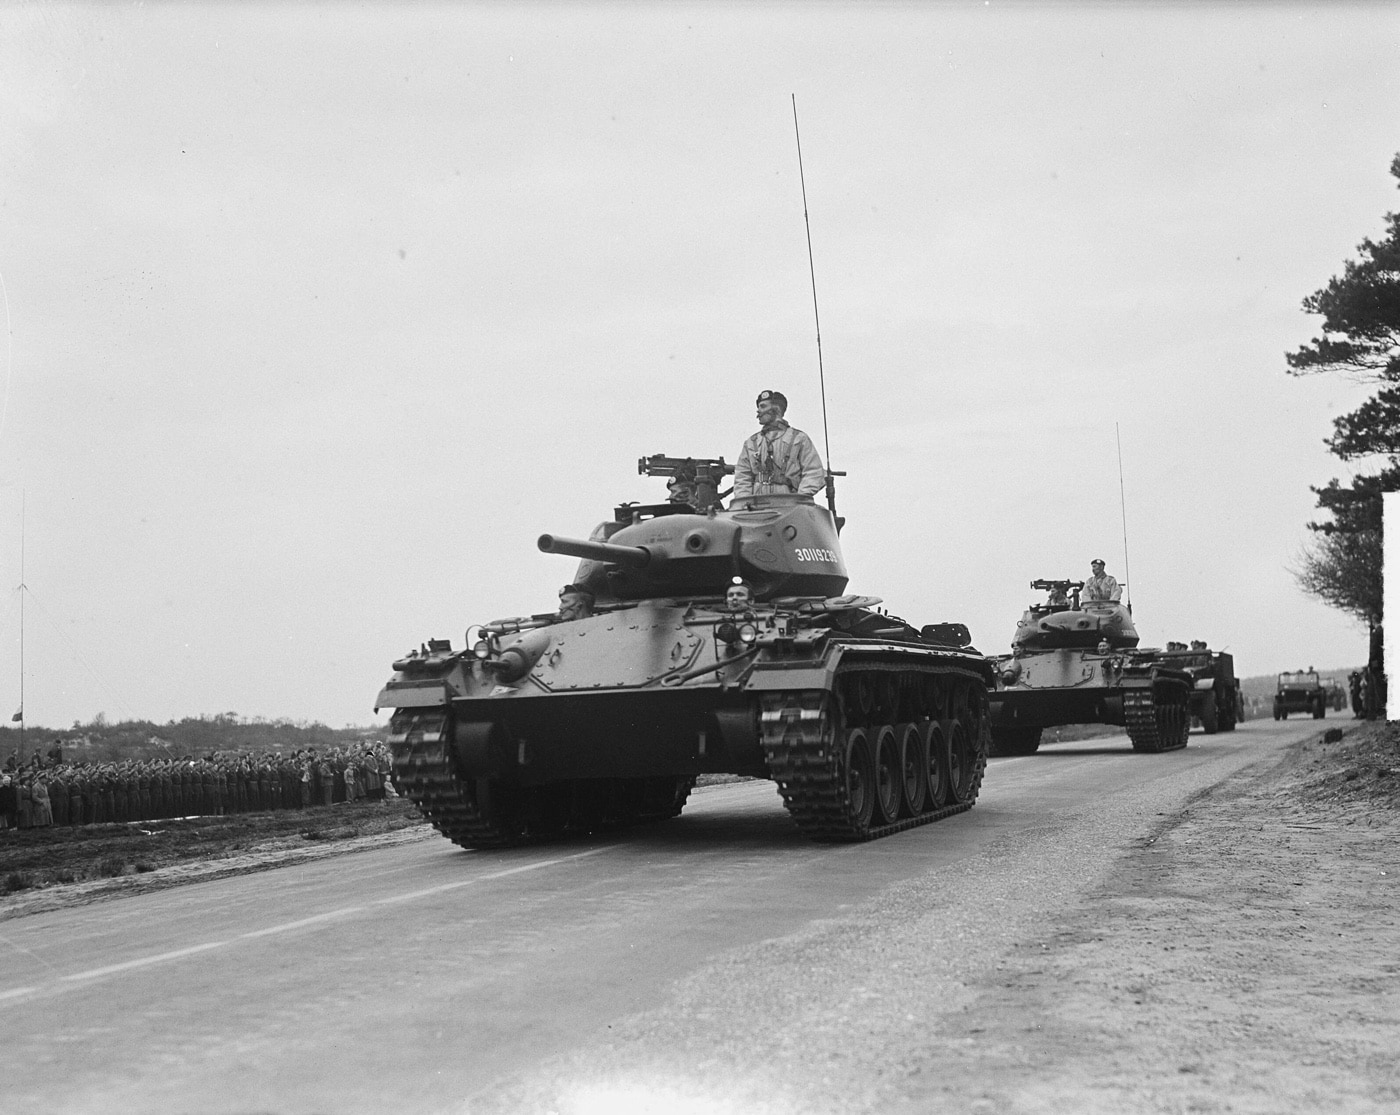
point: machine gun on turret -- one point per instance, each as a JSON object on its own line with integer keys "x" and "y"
{"x": 1063, "y": 594}
{"x": 694, "y": 480}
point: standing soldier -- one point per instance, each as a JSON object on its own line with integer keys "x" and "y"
{"x": 778, "y": 458}
{"x": 1100, "y": 586}
{"x": 58, "y": 797}
{"x": 327, "y": 781}
{"x": 306, "y": 778}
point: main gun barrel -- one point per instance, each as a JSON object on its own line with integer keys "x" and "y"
{"x": 632, "y": 557}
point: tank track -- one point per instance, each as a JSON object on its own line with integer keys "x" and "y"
{"x": 423, "y": 770}
{"x": 800, "y": 730}
{"x": 1156, "y": 726}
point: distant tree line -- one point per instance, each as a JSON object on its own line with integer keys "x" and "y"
{"x": 101, "y": 741}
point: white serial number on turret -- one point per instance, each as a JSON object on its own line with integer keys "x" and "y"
{"x": 809, "y": 553}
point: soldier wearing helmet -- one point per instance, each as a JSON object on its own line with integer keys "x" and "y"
{"x": 778, "y": 458}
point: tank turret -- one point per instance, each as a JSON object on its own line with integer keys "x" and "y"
{"x": 1066, "y": 621}
{"x": 783, "y": 545}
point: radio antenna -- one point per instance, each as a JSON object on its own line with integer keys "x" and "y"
{"x": 1123, "y": 508}
{"x": 816, "y": 316}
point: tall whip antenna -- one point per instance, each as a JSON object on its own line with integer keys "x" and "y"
{"x": 816, "y": 316}
{"x": 1123, "y": 508}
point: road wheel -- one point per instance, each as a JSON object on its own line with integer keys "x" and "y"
{"x": 959, "y": 760}
{"x": 1210, "y": 717}
{"x": 940, "y": 781}
{"x": 913, "y": 765}
{"x": 859, "y": 781}
{"x": 889, "y": 776}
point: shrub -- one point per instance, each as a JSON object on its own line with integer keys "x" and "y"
{"x": 17, "y": 880}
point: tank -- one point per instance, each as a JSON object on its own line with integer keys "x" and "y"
{"x": 541, "y": 725}
{"x": 1074, "y": 662}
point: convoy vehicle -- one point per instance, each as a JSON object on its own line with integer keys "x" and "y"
{"x": 1074, "y": 662}
{"x": 1216, "y": 702}
{"x": 540, "y": 725}
{"x": 1300, "y": 691}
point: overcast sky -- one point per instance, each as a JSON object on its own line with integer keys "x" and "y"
{"x": 318, "y": 316}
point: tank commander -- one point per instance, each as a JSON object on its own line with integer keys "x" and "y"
{"x": 738, "y": 597}
{"x": 1100, "y": 586}
{"x": 574, "y": 603}
{"x": 779, "y": 458}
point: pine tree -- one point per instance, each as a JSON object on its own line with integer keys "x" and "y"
{"x": 1360, "y": 312}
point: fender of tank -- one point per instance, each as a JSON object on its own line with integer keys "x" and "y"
{"x": 543, "y": 727}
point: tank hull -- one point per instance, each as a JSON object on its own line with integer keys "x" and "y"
{"x": 1042, "y": 689}
{"x": 863, "y": 737}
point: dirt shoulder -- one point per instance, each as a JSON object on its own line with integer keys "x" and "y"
{"x": 1245, "y": 959}
{"x": 51, "y": 868}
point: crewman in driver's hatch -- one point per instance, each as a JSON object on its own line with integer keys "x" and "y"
{"x": 738, "y": 597}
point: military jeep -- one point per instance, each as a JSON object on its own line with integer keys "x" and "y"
{"x": 1300, "y": 691}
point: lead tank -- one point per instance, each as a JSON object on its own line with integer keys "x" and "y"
{"x": 1074, "y": 662}
{"x": 540, "y": 726}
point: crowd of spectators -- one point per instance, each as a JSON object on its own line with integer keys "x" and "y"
{"x": 52, "y": 791}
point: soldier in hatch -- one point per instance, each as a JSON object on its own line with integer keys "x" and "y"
{"x": 574, "y": 603}
{"x": 739, "y": 596}
{"x": 778, "y": 458}
{"x": 1100, "y": 586}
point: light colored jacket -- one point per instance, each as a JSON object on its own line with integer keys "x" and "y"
{"x": 779, "y": 458}
{"x": 1102, "y": 587}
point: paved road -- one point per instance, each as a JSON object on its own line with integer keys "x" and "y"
{"x": 426, "y": 978}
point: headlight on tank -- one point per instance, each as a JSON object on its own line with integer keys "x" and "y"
{"x": 733, "y": 633}
{"x": 1010, "y": 672}
{"x": 482, "y": 650}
